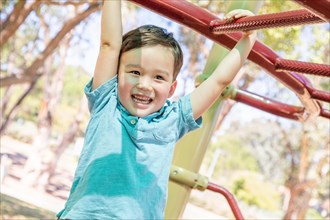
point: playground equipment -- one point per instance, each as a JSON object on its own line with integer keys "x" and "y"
{"x": 188, "y": 156}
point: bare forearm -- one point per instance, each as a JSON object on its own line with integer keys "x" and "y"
{"x": 111, "y": 24}
{"x": 231, "y": 64}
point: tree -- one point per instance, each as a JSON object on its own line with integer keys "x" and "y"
{"x": 290, "y": 154}
{"x": 75, "y": 17}
{"x": 51, "y": 94}
{"x": 28, "y": 70}
{"x": 45, "y": 175}
{"x": 46, "y": 49}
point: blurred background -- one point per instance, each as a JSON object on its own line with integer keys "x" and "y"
{"x": 276, "y": 168}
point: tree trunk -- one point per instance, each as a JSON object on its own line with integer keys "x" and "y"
{"x": 67, "y": 139}
{"x": 52, "y": 89}
{"x": 40, "y": 144}
{"x": 299, "y": 186}
{"x": 5, "y": 99}
{"x": 47, "y": 172}
{"x": 11, "y": 114}
{"x": 4, "y": 102}
{"x": 300, "y": 195}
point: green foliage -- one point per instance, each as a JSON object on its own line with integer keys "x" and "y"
{"x": 277, "y": 148}
{"x": 313, "y": 214}
{"x": 234, "y": 156}
{"x": 274, "y": 6}
{"x": 319, "y": 52}
{"x": 5, "y": 4}
{"x": 74, "y": 81}
{"x": 73, "y": 89}
{"x": 31, "y": 104}
{"x": 251, "y": 188}
{"x": 325, "y": 85}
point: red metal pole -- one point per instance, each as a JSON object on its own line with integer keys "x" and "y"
{"x": 319, "y": 95}
{"x": 318, "y": 7}
{"x": 325, "y": 113}
{"x": 274, "y": 20}
{"x": 230, "y": 199}
{"x": 269, "y": 105}
{"x": 302, "y": 67}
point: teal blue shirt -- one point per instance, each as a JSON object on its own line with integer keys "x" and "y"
{"x": 124, "y": 166}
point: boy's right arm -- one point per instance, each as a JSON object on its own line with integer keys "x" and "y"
{"x": 111, "y": 40}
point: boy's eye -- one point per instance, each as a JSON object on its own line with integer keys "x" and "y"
{"x": 135, "y": 72}
{"x": 160, "y": 77}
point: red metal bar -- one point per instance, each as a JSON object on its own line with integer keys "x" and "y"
{"x": 199, "y": 19}
{"x": 269, "y": 105}
{"x": 278, "y": 108}
{"x": 230, "y": 199}
{"x": 320, "y": 95}
{"x": 319, "y": 7}
{"x": 302, "y": 67}
{"x": 325, "y": 113}
{"x": 274, "y": 20}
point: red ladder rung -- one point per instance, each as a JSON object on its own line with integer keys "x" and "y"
{"x": 302, "y": 67}
{"x": 281, "y": 19}
{"x": 325, "y": 113}
{"x": 320, "y": 95}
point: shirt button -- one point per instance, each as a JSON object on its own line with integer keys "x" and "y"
{"x": 133, "y": 122}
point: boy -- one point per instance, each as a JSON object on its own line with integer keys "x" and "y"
{"x": 124, "y": 167}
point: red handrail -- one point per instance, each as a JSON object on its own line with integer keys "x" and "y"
{"x": 269, "y": 105}
{"x": 230, "y": 199}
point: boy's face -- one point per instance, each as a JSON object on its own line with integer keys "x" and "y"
{"x": 145, "y": 79}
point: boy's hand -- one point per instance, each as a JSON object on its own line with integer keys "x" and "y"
{"x": 237, "y": 14}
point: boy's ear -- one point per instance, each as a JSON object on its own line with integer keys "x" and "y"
{"x": 172, "y": 90}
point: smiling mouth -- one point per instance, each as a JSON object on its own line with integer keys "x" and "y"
{"x": 141, "y": 99}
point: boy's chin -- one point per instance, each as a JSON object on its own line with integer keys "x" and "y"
{"x": 138, "y": 113}
{"x": 142, "y": 112}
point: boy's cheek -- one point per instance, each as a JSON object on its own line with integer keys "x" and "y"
{"x": 130, "y": 80}
{"x": 123, "y": 78}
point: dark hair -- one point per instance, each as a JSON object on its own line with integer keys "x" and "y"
{"x": 151, "y": 35}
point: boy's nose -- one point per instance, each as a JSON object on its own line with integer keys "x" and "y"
{"x": 144, "y": 84}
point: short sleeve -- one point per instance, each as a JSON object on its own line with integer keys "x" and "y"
{"x": 100, "y": 96}
{"x": 187, "y": 122}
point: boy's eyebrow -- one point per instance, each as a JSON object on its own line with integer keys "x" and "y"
{"x": 138, "y": 66}
{"x": 133, "y": 65}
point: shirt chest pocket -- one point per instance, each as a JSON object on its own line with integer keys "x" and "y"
{"x": 165, "y": 131}
{"x": 154, "y": 136}
{"x": 164, "y": 136}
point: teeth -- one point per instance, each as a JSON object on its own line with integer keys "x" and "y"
{"x": 141, "y": 99}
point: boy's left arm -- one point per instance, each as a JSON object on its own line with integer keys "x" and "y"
{"x": 209, "y": 91}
